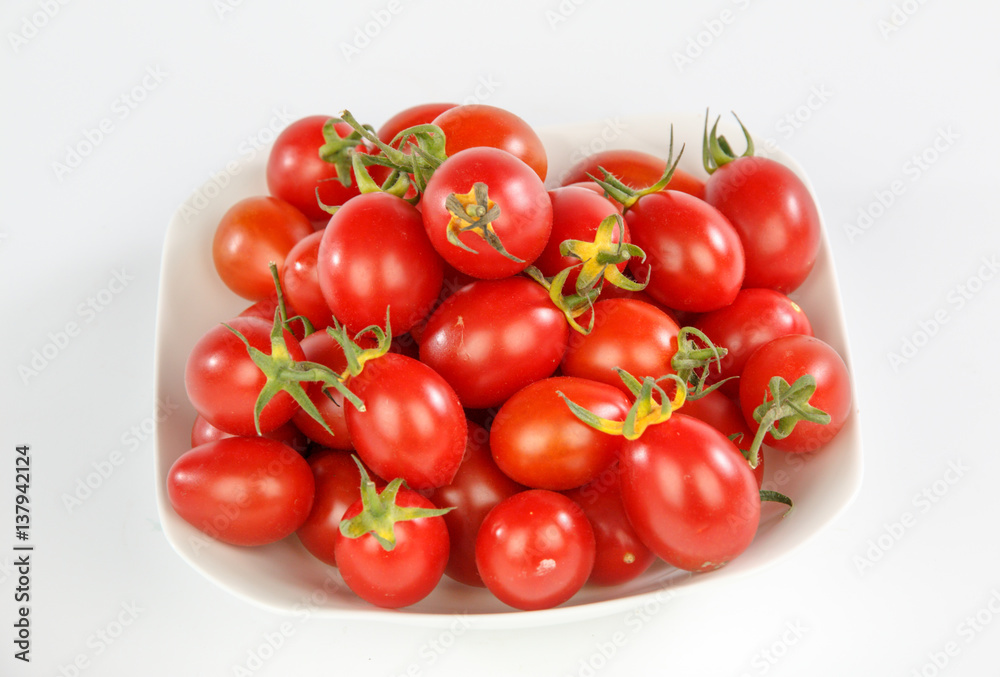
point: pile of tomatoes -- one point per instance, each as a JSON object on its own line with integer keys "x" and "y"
{"x": 450, "y": 369}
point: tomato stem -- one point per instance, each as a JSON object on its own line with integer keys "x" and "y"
{"x": 788, "y": 405}
{"x": 475, "y": 212}
{"x": 645, "y": 410}
{"x": 693, "y": 361}
{"x": 572, "y": 306}
{"x": 601, "y": 257}
{"x": 715, "y": 149}
{"x": 628, "y": 196}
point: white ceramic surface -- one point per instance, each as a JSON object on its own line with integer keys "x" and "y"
{"x": 285, "y": 578}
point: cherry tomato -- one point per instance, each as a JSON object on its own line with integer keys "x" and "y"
{"x": 493, "y": 337}
{"x": 689, "y": 493}
{"x": 423, "y": 114}
{"x": 635, "y": 169}
{"x": 725, "y": 415}
{"x": 535, "y": 550}
{"x": 338, "y": 483}
{"x": 522, "y": 226}
{"x": 223, "y": 383}
{"x": 755, "y": 317}
{"x": 791, "y": 357}
{"x": 694, "y": 259}
{"x": 413, "y": 425}
{"x": 203, "y": 432}
{"x": 621, "y": 555}
{"x": 253, "y": 233}
{"x": 300, "y": 283}
{"x": 295, "y": 170}
{"x": 475, "y": 125}
{"x": 323, "y": 349}
{"x": 576, "y": 214}
{"x": 775, "y": 216}
{"x": 478, "y": 486}
{"x": 538, "y": 441}
{"x": 401, "y": 576}
{"x": 630, "y": 334}
{"x": 242, "y": 490}
{"x": 375, "y": 255}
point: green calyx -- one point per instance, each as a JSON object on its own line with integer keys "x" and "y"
{"x": 475, "y": 212}
{"x": 286, "y": 321}
{"x": 776, "y": 497}
{"x": 380, "y": 513}
{"x": 339, "y": 151}
{"x": 694, "y": 359}
{"x": 788, "y": 404}
{"x": 652, "y": 405}
{"x": 600, "y": 258}
{"x": 357, "y": 356}
{"x": 628, "y": 196}
{"x": 573, "y": 305}
{"x": 716, "y": 151}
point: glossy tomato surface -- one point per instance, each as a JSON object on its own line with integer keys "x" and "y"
{"x": 473, "y": 125}
{"x": 635, "y": 169}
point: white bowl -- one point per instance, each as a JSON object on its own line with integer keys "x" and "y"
{"x": 286, "y": 578}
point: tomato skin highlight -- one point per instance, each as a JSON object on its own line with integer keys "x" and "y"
{"x": 203, "y": 432}
{"x": 689, "y": 493}
{"x": 493, "y": 337}
{"x": 535, "y": 550}
{"x": 775, "y": 216}
{"x": 413, "y": 425}
{"x": 635, "y": 169}
{"x": 242, "y": 490}
{"x": 479, "y": 125}
{"x": 478, "y": 486}
{"x": 375, "y": 255}
{"x": 253, "y": 233}
{"x": 724, "y": 414}
{"x": 537, "y": 441}
{"x": 402, "y": 576}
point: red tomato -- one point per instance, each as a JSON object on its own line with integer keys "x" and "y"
{"x": 576, "y": 214}
{"x": 375, "y": 255}
{"x": 401, "y": 576}
{"x": 338, "y": 483}
{"x": 475, "y": 125}
{"x": 630, "y": 334}
{"x": 755, "y": 317}
{"x": 413, "y": 425}
{"x": 539, "y": 442}
{"x": 775, "y": 216}
{"x": 621, "y": 555}
{"x": 535, "y": 550}
{"x": 253, "y": 233}
{"x": 689, "y": 493}
{"x": 323, "y": 349}
{"x": 223, "y": 383}
{"x": 635, "y": 169}
{"x": 295, "y": 170}
{"x": 476, "y": 489}
{"x": 423, "y": 114}
{"x": 242, "y": 490}
{"x": 492, "y": 338}
{"x": 791, "y": 357}
{"x": 203, "y": 432}
{"x": 597, "y": 190}
{"x": 694, "y": 254}
{"x": 522, "y": 226}
{"x": 300, "y": 283}
{"x": 724, "y": 414}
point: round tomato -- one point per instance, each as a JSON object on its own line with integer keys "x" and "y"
{"x": 300, "y": 283}
{"x": 635, "y": 169}
{"x": 694, "y": 259}
{"x": 689, "y": 493}
{"x": 477, "y": 487}
{"x": 538, "y": 441}
{"x": 423, "y": 114}
{"x": 223, "y": 383}
{"x": 413, "y": 425}
{"x": 535, "y": 550}
{"x": 791, "y": 357}
{"x": 295, "y": 170}
{"x": 493, "y": 337}
{"x": 203, "y": 432}
{"x": 621, "y": 555}
{"x": 321, "y": 348}
{"x": 725, "y": 415}
{"x": 255, "y": 232}
{"x": 375, "y": 255}
{"x": 775, "y": 216}
{"x": 242, "y": 490}
{"x": 477, "y": 193}
{"x": 478, "y": 125}
{"x": 755, "y": 317}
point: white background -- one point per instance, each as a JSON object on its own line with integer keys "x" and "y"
{"x": 858, "y": 92}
